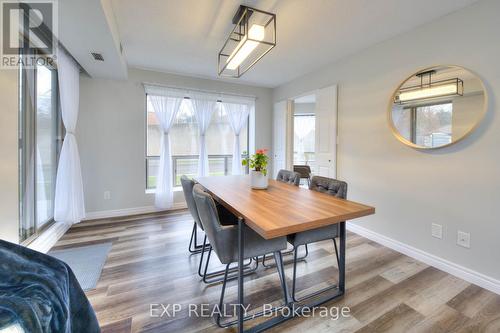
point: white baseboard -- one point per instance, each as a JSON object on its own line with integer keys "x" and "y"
{"x": 464, "y": 273}
{"x": 49, "y": 237}
{"x": 129, "y": 211}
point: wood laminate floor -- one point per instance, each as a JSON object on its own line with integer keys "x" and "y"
{"x": 386, "y": 291}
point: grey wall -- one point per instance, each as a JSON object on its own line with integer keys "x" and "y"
{"x": 111, "y": 134}
{"x": 458, "y": 186}
{"x": 9, "y": 208}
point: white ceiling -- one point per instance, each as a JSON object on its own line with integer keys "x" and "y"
{"x": 185, "y": 36}
{"x": 88, "y": 26}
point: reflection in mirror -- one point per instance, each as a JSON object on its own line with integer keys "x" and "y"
{"x": 437, "y": 107}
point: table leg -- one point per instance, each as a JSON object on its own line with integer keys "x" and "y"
{"x": 342, "y": 237}
{"x": 241, "y": 315}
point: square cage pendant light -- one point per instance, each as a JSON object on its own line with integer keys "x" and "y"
{"x": 431, "y": 90}
{"x": 253, "y": 36}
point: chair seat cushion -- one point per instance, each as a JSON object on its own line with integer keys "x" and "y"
{"x": 315, "y": 235}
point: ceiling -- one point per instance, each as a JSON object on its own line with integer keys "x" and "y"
{"x": 88, "y": 26}
{"x": 185, "y": 36}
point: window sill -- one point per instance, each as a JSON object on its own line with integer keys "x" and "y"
{"x": 153, "y": 191}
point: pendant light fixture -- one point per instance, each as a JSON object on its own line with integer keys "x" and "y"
{"x": 430, "y": 90}
{"x": 252, "y": 37}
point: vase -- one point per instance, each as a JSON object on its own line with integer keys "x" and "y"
{"x": 258, "y": 180}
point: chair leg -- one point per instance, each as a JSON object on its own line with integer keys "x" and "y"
{"x": 294, "y": 278}
{"x": 264, "y": 261}
{"x": 286, "y": 253}
{"x": 305, "y": 255}
{"x": 202, "y": 255}
{"x": 336, "y": 252}
{"x": 206, "y": 266}
{"x": 281, "y": 272}
{"x": 221, "y": 300}
{"x": 196, "y": 248}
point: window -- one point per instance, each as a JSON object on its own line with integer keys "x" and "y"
{"x": 304, "y": 139}
{"x": 184, "y": 140}
{"x": 40, "y": 130}
{"x": 433, "y": 125}
{"x": 427, "y": 125}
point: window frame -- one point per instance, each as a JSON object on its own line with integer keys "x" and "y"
{"x": 413, "y": 116}
{"x": 28, "y": 123}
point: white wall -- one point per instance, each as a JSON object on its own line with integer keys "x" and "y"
{"x": 457, "y": 186}
{"x": 111, "y": 134}
{"x": 9, "y": 208}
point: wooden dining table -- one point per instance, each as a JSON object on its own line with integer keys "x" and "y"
{"x": 280, "y": 210}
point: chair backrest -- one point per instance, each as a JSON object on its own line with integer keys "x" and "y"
{"x": 330, "y": 186}
{"x": 303, "y": 170}
{"x": 222, "y": 242}
{"x": 289, "y": 177}
{"x": 187, "y": 188}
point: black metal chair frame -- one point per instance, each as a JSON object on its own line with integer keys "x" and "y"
{"x": 281, "y": 272}
{"x": 196, "y": 248}
{"x": 294, "y": 278}
{"x": 286, "y": 253}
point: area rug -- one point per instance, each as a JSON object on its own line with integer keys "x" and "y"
{"x": 86, "y": 262}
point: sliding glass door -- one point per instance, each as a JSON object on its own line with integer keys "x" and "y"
{"x": 40, "y": 133}
{"x": 46, "y": 143}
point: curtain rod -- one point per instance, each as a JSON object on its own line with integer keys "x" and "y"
{"x": 196, "y": 90}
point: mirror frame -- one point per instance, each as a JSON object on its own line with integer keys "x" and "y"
{"x": 403, "y": 140}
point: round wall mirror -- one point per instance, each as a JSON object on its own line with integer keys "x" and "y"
{"x": 437, "y": 107}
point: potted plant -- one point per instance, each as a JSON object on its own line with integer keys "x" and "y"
{"x": 258, "y": 165}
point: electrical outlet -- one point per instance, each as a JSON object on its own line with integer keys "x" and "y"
{"x": 107, "y": 195}
{"x": 463, "y": 239}
{"x": 437, "y": 230}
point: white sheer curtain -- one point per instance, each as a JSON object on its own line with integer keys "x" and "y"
{"x": 165, "y": 107}
{"x": 203, "y": 107}
{"x": 69, "y": 205}
{"x": 238, "y": 117}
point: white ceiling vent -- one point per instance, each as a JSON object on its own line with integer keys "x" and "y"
{"x": 97, "y": 56}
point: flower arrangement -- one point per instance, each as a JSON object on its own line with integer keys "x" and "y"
{"x": 257, "y": 161}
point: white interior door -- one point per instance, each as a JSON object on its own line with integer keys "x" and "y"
{"x": 326, "y": 132}
{"x": 280, "y": 129}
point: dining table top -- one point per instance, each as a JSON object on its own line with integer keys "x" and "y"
{"x": 281, "y": 209}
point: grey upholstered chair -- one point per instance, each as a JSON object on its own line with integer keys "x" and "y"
{"x": 289, "y": 177}
{"x": 226, "y": 218}
{"x": 224, "y": 241}
{"x": 187, "y": 188}
{"x": 332, "y": 187}
{"x": 304, "y": 171}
